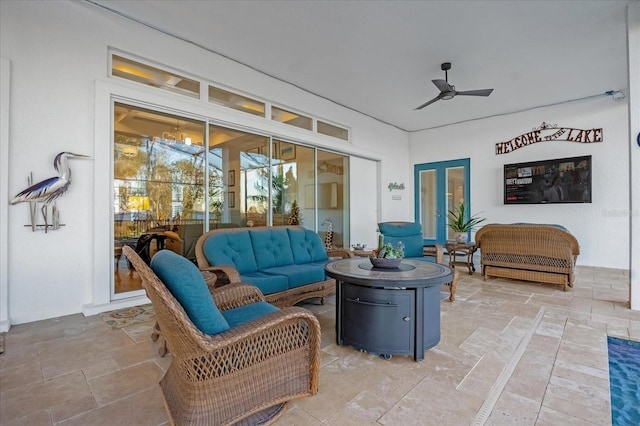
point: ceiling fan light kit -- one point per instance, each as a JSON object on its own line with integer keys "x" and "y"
{"x": 448, "y": 91}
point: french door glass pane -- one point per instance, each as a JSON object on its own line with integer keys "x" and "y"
{"x": 428, "y": 204}
{"x": 455, "y": 193}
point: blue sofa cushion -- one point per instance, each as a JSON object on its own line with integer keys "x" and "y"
{"x": 299, "y": 275}
{"x": 267, "y": 283}
{"x": 185, "y": 282}
{"x": 271, "y": 247}
{"x": 307, "y": 246}
{"x": 410, "y": 233}
{"x": 231, "y": 249}
{"x": 246, "y": 313}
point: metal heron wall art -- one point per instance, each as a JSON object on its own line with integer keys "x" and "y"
{"x": 48, "y": 190}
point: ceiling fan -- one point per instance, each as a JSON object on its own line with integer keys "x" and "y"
{"x": 448, "y": 91}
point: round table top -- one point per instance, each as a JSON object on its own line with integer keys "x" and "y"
{"x": 411, "y": 273}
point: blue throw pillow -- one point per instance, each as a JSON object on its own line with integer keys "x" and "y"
{"x": 185, "y": 282}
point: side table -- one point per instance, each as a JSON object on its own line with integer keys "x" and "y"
{"x": 464, "y": 251}
{"x": 362, "y": 253}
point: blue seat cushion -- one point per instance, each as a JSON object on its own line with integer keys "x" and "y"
{"x": 246, "y": 313}
{"x": 299, "y": 275}
{"x": 232, "y": 248}
{"x": 267, "y": 283}
{"x": 307, "y": 246}
{"x": 185, "y": 282}
{"x": 271, "y": 247}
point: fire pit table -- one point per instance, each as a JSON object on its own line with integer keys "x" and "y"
{"x": 388, "y": 311}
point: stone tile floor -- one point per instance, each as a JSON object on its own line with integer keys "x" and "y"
{"x": 511, "y": 353}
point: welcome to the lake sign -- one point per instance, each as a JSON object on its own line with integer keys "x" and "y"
{"x": 549, "y": 132}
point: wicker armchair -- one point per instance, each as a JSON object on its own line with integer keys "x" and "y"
{"x": 245, "y": 375}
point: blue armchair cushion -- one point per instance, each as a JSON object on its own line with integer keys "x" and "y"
{"x": 231, "y": 249}
{"x": 307, "y": 246}
{"x": 410, "y": 233}
{"x": 246, "y": 313}
{"x": 271, "y": 247}
{"x": 185, "y": 282}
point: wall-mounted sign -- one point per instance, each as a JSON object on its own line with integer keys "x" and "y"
{"x": 394, "y": 185}
{"x": 549, "y": 132}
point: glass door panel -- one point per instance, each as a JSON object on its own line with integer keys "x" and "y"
{"x": 332, "y": 197}
{"x": 455, "y": 193}
{"x": 158, "y": 171}
{"x": 239, "y": 189}
{"x": 428, "y": 197}
{"x": 291, "y": 164}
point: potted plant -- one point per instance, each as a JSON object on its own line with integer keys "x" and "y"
{"x": 461, "y": 225}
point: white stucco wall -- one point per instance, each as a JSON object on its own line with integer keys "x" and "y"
{"x": 602, "y": 227}
{"x": 60, "y": 102}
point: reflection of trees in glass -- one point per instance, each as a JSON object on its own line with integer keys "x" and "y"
{"x": 216, "y": 194}
{"x": 283, "y": 189}
{"x": 187, "y": 174}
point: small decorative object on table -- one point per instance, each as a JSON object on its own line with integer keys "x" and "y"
{"x": 387, "y": 256}
{"x": 359, "y": 246}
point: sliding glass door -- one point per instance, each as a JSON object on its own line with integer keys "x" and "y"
{"x": 173, "y": 178}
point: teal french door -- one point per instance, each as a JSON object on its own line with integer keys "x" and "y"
{"x": 439, "y": 187}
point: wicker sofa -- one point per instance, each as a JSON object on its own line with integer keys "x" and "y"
{"x": 285, "y": 262}
{"x": 531, "y": 252}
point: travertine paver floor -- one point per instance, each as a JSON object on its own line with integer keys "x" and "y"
{"x": 511, "y": 353}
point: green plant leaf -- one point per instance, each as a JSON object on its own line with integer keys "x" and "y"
{"x": 459, "y": 223}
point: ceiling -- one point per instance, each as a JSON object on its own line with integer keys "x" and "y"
{"x": 379, "y": 57}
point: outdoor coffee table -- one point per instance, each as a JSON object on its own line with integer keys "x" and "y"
{"x": 388, "y": 311}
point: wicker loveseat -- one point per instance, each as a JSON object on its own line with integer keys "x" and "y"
{"x": 285, "y": 262}
{"x": 540, "y": 253}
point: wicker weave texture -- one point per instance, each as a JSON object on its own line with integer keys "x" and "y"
{"x": 537, "y": 253}
{"x": 235, "y": 375}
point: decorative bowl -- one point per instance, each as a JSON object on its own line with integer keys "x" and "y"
{"x": 381, "y": 262}
{"x": 359, "y": 246}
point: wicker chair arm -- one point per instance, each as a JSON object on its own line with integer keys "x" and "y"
{"x": 433, "y": 250}
{"x": 343, "y": 253}
{"x": 235, "y": 295}
{"x": 273, "y": 330}
{"x": 224, "y": 274}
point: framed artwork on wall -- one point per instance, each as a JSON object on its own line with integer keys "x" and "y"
{"x": 287, "y": 151}
{"x": 232, "y": 178}
{"x": 232, "y": 199}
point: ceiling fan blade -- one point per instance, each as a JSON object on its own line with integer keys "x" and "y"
{"x": 481, "y": 92}
{"x": 442, "y": 85}
{"x": 437, "y": 98}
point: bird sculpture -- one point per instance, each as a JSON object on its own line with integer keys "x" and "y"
{"x": 48, "y": 190}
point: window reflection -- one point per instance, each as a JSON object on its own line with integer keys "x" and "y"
{"x": 165, "y": 179}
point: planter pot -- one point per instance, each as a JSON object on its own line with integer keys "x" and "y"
{"x": 385, "y": 263}
{"x": 461, "y": 237}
